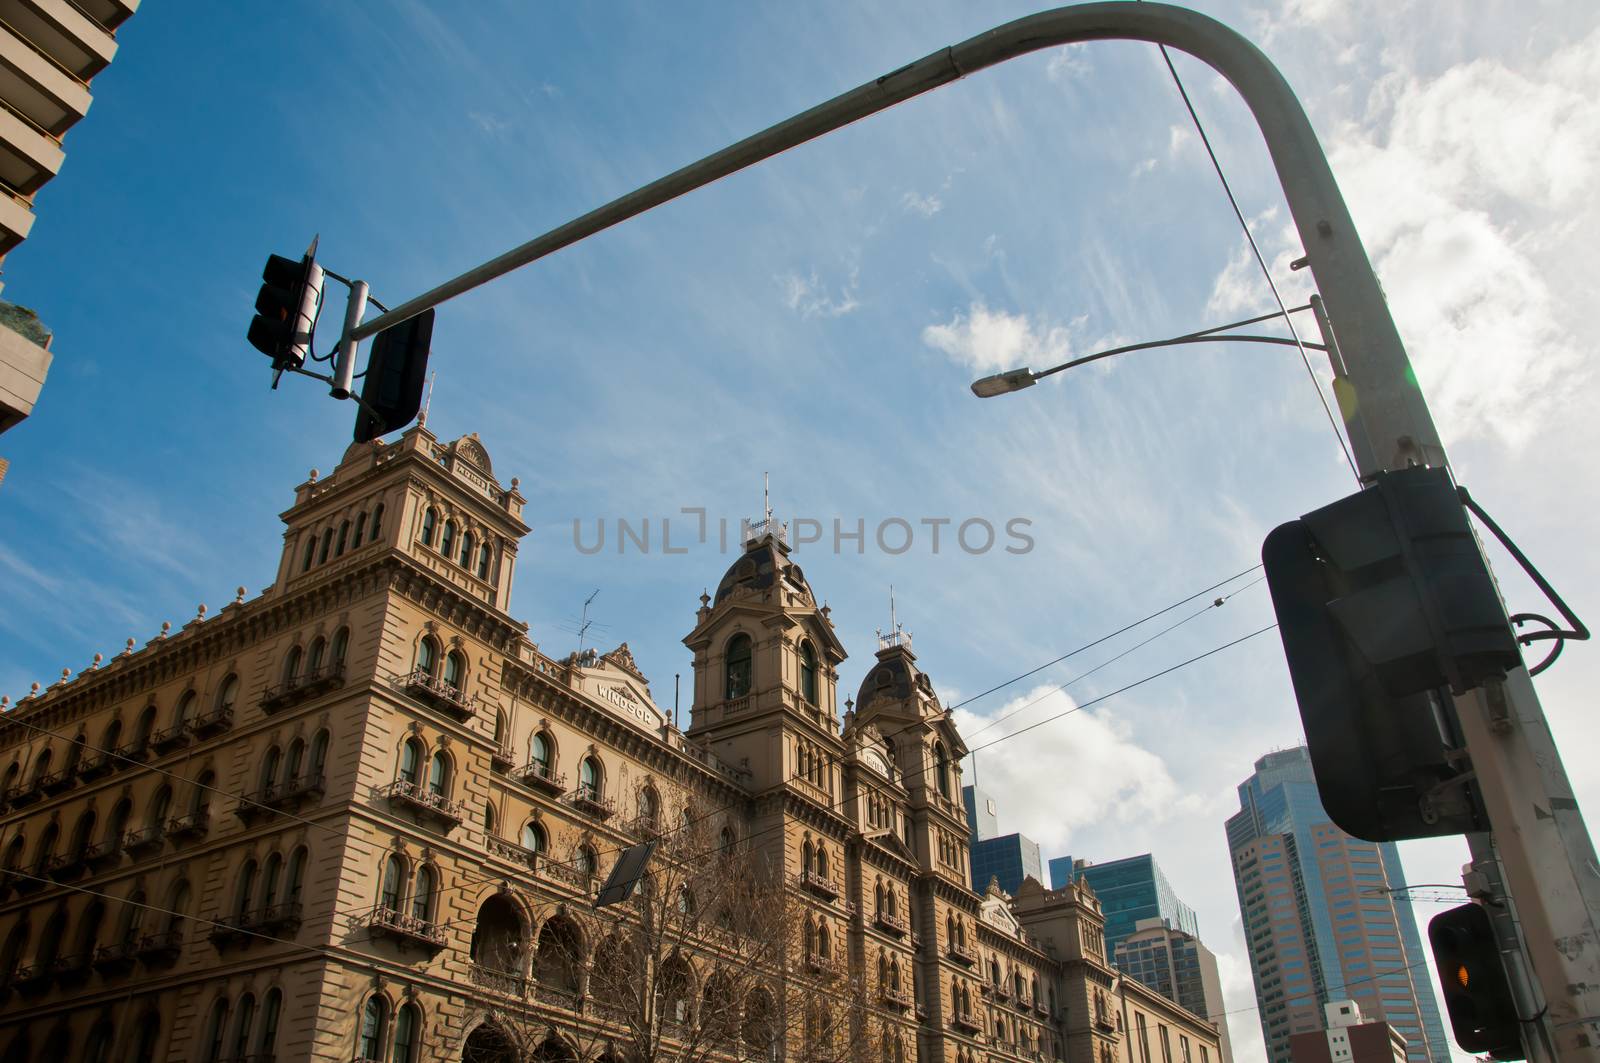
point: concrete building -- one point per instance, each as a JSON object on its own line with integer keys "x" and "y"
{"x": 1131, "y": 889}
{"x": 1324, "y": 915}
{"x": 1176, "y": 965}
{"x": 49, "y": 51}
{"x": 363, "y": 816}
{"x": 1349, "y": 1039}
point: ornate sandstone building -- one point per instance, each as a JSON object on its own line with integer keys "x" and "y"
{"x": 363, "y": 817}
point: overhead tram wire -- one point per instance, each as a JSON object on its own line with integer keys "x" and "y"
{"x": 1261, "y": 261}
{"x": 1112, "y": 660}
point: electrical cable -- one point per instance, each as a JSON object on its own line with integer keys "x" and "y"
{"x": 1261, "y": 261}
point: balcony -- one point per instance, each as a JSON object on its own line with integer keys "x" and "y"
{"x": 591, "y": 802}
{"x": 405, "y": 930}
{"x": 274, "y": 920}
{"x": 967, "y": 1023}
{"x": 102, "y": 855}
{"x": 162, "y": 948}
{"x": 557, "y": 871}
{"x": 439, "y": 694}
{"x": 504, "y": 982}
{"x": 1041, "y": 1009}
{"x": 890, "y": 922}
{"x": 1105, "y": 1023}
{"x": 194, "y": 825}
{"x": 64, "y": 866}
{"x": 511, "y": 851}
{"x": 280, "y": 796}
{"x": 644, "y": 827}
{"x": 144, "y": 840}
{"x": 303, "y": 687}
{"x": 175, "y": 737}
{"x": 961, "y": 953}
{"x": 421, "y": 801}
{"x": 33, "y": 978}
{"x": 71, "y": 970}
{"x": 501, "y": 759}
{"x": 1001, "y": 992}
{"x": 95, "y": 766}
{"x": 135, "y": 752}
{"x": 29, "y": 880}
{"x": 895, "y": 998}
{"x": 212, "y": 723}
{"x": 58, "y": 782}
{"x": 25, "y": 795}
{"x": 116, "y": 959}
{"x": 817, "y": 883}
{"x": 540, "y": 777}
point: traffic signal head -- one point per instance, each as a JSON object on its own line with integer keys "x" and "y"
{"x": 1472, "y": 977}
{"x": 391, "y": 390}
{"x": 286, "y": 310}
{"x": 1385, "y": 605}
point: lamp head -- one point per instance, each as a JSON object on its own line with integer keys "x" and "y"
{"x": 1003, "y": 383}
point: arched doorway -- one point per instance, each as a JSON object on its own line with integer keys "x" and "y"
{"x": 488, "y": 1044}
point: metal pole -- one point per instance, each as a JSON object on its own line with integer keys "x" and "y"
{"x": 1545, "y": 849}
{"x": 344, "y": 364}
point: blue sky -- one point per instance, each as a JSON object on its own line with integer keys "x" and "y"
{"x": 819, "y": 318}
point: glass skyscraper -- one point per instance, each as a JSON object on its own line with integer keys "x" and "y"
{"x": 1129, "y": 889}
{"x": 1325, "y": 916}
{"x": 1008, "y": 858}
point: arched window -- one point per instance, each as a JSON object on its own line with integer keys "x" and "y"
{"x": 341, "y": 644}
{"x": 587, "y": 863}
{"x": 726, "y": 840}
{"x": 149, "y": 1033}
{"x": 394, "y": 879}
{"x": 117, "y": 824}
{"x": 311, "y": 553}
{"x": 269, "y": 768}
{"x": 319, "y": 650}
{"x": 589, "y": 778}
{"x": 649, "y": 805}
{"x": 344, "y": 538}
{"x": 369, "y": 1044}
{"x": 560, "y": 957}
{"x": 427, "y": 656}
{"x": 455, "y": 669}
{"x": 422, "y": 894}
{"x": 808, "y": 672}
{"x": 242, "y": 1024}
{"x": 297, "y": 759}
{"x": 184, "y": 709}
{"x": 428, "y": 520}
{"x": 201, "y": 791}
{"x": 74, "y": 753}
{"x": 267, "y": 1041}
{"x": 271, "y": 872}
{"x": 11, "y": 955}
{"x": 228, "y": 693}
{"x": 159, "y": 807}
{"x": 291, "y": 665}
{"x": 466, "y": 550}
{"x": 439, "y": 775}
{"x": 97, "y": 1049}
{"x": 533, "y": 837}
{"x": 83, "y": 833}
{"x": 737, "y": 680}
{"x": 319, "y": 754}
{"x": 411, "y": 761}
{"x": 483, "y": 561}
{"x": 89, "y": 930}
{"x": 407, "y": 1028}
{"x": 46, "y": 848}
{"x": 361, "y": 527}
{"x": 447, "y": 538}
{"x": 941, "y": 769}
{"x": 488, "y": 820}
{"x": 147, "y": 725}
{"x": 244, "y": 900}
{"x": 824, "y": 942}
{"x": 296, "y": 877}
{"x": 109, "y": 740}
{"x": 327, "y": 545}
{"x": 539, "y": 750}
{"x": 822, "y": 860}
{"x": 377, "y": 521}
{"x": 216, "y": 1025}
{"x": 498, "y": 937}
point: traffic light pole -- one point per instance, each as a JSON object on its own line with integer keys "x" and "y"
{"x": 1542, "y": 844}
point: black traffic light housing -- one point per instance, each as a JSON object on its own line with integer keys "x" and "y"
{"x": 1385, "y": 605}
{"x": 286, "y": 310}
{"x": 1472, "y": 977}
{"x": 391, "y": 390}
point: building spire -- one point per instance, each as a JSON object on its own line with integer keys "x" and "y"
{"x": 766, "y": 498}
{"x": 422, "y": 421}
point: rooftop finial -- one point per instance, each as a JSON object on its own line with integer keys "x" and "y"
{"x": 97, "y": 659}
{"x": 238, "y": 598}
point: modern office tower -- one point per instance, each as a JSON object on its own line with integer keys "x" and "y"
{"x": 1349, "y": 1039}
{"x": 1325, "y": 916}
{"x": 363, "y": 816}
{"x": 981, "y": 816}
{"x": 1130, "y": 889}
{"x": 1175, "y": 964}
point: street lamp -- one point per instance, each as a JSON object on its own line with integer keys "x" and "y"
{"x": 1017, "y": 379}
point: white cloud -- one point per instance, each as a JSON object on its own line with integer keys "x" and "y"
{"x": 1067, "y": 63}
{"x": 1099, "y": 772}
{"x": 809, "y": 295}
{"x": 927, "y": 206}
{"x": 991, "y": 340}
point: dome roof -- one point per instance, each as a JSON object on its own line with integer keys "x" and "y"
{"x": 895, "y": 677}
{"x": 764, "y": 562}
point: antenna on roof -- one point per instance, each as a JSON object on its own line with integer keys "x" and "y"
{"x": 583, "y": 627}
{"x": 766, "y": 498}
{"x": 423, "y": 419}
{"x": 893, "y": 626}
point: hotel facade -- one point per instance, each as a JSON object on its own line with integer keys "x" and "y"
{"x": 362, "y": 816}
